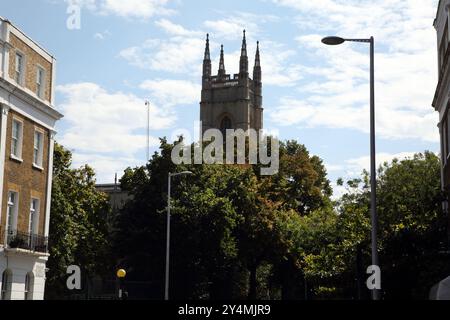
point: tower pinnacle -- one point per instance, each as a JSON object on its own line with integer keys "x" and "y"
{"x": 243, "y": 63}
{"x": 207, "y": 53}
{"x": 206, "y": 62}
{"x": 222, "y": 71}
{"x": 257, "y": 67}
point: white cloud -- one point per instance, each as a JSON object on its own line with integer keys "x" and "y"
{"x": 231, "y": 27}
{"x": 99, "y": 122}
{"x": 88, "y": 4}
{"x": 107, "y": 130}
{"x": 354, "y": 167}
{"x": 391, "y": 123}
{"x": 176, "y": 29}
{"x": 385, "y": 19}
{"x": 142, "y": 9}
{"x": 99, "y": 36}
{"x": 182, "y": 53}
{"x": 176, "y": 55}
{"x": 337, "y": 94}
{"x": 276, "y": 69}
{"x": 105, "y": 167}
{"x": 102, "y": 35}
{"x": 173, "y": 92}
{"x": 136, "y": 8}
{"x": 226, "y": 29}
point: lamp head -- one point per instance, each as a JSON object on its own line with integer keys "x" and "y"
{"x": 333, "y": 41}
{"x": 121, "y": 273}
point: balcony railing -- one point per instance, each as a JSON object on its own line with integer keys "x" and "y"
{"x": 27, "y": 241}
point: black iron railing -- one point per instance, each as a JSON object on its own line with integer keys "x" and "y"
{"x": 22, "y": 240}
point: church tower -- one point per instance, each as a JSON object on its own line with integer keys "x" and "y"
{"x": 231, "y": 102}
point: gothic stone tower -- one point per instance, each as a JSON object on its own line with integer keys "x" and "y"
{"x": 231, "y": 102}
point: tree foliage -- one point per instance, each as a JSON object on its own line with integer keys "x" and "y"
{"x": 78, "y": 234}
{"x": 228, "y": 223}
{"x": 411, "y": 234}
{"x": 237, "y": 234}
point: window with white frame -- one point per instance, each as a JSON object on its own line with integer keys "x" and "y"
{"x": 40, "y": 82}
{"x": 11, "y": 213}
{"x": 38, "y": 148}
{"x": 448, "y": 134}
{"x": 16, "y": 138}
{"x": 34, "y": 217}
{"x": 29, "y": 279}
{"x": 20, "y": 65}
{"x": 444, "y": 141}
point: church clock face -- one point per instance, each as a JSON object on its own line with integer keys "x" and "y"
{"x": 231, "y": 101}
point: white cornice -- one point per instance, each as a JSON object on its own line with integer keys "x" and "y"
{"x": 28, "y": 41}
{"x": 23, "y": 95}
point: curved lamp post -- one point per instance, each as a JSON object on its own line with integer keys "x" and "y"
{"x": 333, "y": 41}
{"x": 166, "y": 291}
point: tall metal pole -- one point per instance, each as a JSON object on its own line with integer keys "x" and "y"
{"x": 166, "y": 293}
{"x": 373, "y": 173}
{"x": 373, "y": 177}
{"x": 147, "y": 103}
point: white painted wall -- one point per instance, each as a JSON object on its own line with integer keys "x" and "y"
{"x": 2, "y": 62}
{"x": 21, "y": 264}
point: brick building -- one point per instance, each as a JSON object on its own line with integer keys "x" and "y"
{"x": 27, "y": 122}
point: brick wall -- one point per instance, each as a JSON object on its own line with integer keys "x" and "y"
{"x": 29, "y": 182}
{"x": 32, "y": 60}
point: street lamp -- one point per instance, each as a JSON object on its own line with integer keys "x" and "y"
{"x": 373, "y": 179}
{"x": 121, "y": 274}
{"x": 166, "y": 292}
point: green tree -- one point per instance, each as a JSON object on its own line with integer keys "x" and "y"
{"x": 78, "y": 232}
{"x": 227, "y": 223}
{"x": 411, "y": 234}
{"x": 412, "y": 226}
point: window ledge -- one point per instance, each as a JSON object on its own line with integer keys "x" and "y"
{"x": 15, "y": 158}
{"x": 10, "y": 250}
{"x": 35, "y": 166}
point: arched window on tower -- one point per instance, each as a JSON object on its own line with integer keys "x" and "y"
{"x": 225, "y": 124}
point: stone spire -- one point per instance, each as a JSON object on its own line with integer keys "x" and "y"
{"x": 257, "y": 67}
{"x": 207, "y": 53}
{"x": 222, "y": 71}
{"x": 207, "y": 61}
{"x": 243, "y": 63}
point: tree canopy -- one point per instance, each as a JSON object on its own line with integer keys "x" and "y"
{"x": 239, "y": 235}
{"x": 78, "y": 234}
{"x": 228, "y": 223}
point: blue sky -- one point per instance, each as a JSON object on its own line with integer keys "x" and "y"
{"x": 128, "y": 51}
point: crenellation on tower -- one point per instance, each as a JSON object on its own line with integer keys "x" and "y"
{"x": 231, "y": 101}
